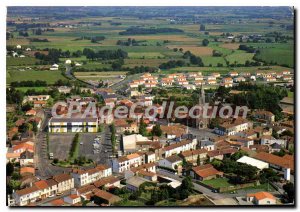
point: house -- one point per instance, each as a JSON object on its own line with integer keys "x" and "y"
{"x": 64, "y": 182}
{"x": 84, "y": 177}
{"x": 232, "y": 127}
{"x": 193, "y": 155}
{"x": 134, "y": 183}
{"x": 179, "y": 147}
{"x": 101, "y": 197}
{"x": 269, "y": 140}
{"x": 189, "y": 87}
{"x": 166, "y": 82}
{"x": 147, "y": 167}
{"x": 173, "y": 131}
{"x": 37, "y": 104}
{"x": 171, "y": 162}
{"x": 205, "y": 172}
{"x": 22, "y": 147}
{"x": 211, "y": 82}
{"x": 30, "y": 113}
{"x": 126, "y": 125}
{"x": 239, "y": 79}
{"x": 19, "y": 47}
{"x": 36, "y": 98}
{"x": 261, "y": 198}
{"x": 199, "y": 82}
{"x": 265, "y": 116}
{"x": 107, "y": 182}
{"x": 227, "y": 82}
{"x": 26, "y": 158}
{"x": 72, "y": 199}
{"x": 253, "y": 162}
{"x": 128, "y": 143}
{"x": 234, "y": 140}
{"x": 54, "y": 67}
{"x": 27, "y": 171}
{"x": 275, "y": 161}
{"x": 207, "y": 144}
{"x": 126, "y": 162}
{"x": 68, "y": 62}
{"x": 219, "y": 154}
{"x": 216, "y": 74}
{"x": 64, "y": 89}
{"x": 233, "y": 74}
{"x": 26, "y": 196}
{"x": 72, "y": 124}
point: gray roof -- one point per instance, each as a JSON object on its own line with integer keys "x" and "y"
{"x": 206, "y": 143}
{"x": 173, "y": 158}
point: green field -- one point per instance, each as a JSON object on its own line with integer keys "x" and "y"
{"x": 217, "y": 183}
{"x": 24, "y": 89}
{"x": 279, "y": 56}
{"x": 17, "y": 61}
{"x": 49, "y": 76}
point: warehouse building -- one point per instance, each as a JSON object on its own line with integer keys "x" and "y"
{"x": 65, "y": 125}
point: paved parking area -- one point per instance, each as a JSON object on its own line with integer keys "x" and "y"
{"x": 60, "y": 145}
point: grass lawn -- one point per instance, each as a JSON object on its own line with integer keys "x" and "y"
{"x": 291, "y": 94}
{"x": 49, "y": 76}
{"x": 17, "y": 61}
{"x": 218, "y": 182}
{"x": 24, "y": 89}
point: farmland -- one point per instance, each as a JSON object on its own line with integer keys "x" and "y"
{"x": 151, "y": 50}
{"x": 49, "y": 76}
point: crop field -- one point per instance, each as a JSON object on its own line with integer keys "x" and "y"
{"x": 153, "y": 49}
{"x": 49, "y": 76}
{"x": 197, "y": 50}
{"x": 18, "y": 61}
{"x": 279, "y": 56}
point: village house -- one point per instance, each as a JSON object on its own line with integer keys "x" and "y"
{"x": 123, "y": 125}
{"x": 108, "y": 182}
{"x": 172, "y": 162}
{"x": 193, "y": 155}
{"x": 205, "y": 172}
{"x": 26, "y": 158}
{"x": 233, "y": 74}
{"x": 211, "y": 82}
{"x": 64, "y": 182}
{"x": 261, "y": 198}
{"x": 54, "y": 67}
{"x": 239, "y": 79}
{"x": 173, "y": 131}
{"x": 26, "y": 196}
{"x": 275, "y": 161}
{"x": 179, "y": 147}
{"x": 199, "y": 82}
{"x": 84, "y": 177}
{"x": 265, "y": 116}
{"x": 216, "y": 74}
{"x": 22, "y": 147}
{"x": 105, "y": 198}
{"x": 232, "y": 127}
{"x": 166, "y": 82}
{"x": 72, "y": 199}
{"x": 133, "y": 183}
{"x": 64, "y": 89}
{"x": 124, "y": 163}
{"x": 206, "y": 144}
{"x": 128, "y": 142}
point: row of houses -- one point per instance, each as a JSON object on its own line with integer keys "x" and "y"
{"x": 59, "y": 184}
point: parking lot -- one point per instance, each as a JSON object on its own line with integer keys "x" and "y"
{"x": 60, "y": 144}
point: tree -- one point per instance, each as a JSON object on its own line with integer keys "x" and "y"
{"x": 289, "y": 188}
{"x": 205, "y": 42}
{"x": 198, "y": 160}
{"x": 156, "y": 131}
{"x": 202, "y": 27}
{"x": 237, "y": 155}
{"x": 142, "y": 128}
{"x": 9, "y": 168}
{"x": 268, "y": 174}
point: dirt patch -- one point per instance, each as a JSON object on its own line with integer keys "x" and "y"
{"x": 231, "y": 46}
{"x": 197, "y": 50}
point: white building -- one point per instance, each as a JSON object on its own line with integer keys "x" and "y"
{"x": 84, "y": 177}
{"x": 126, "y": 162}
{"x": 179, "y": 147}
{"x": 253, "y": 162}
